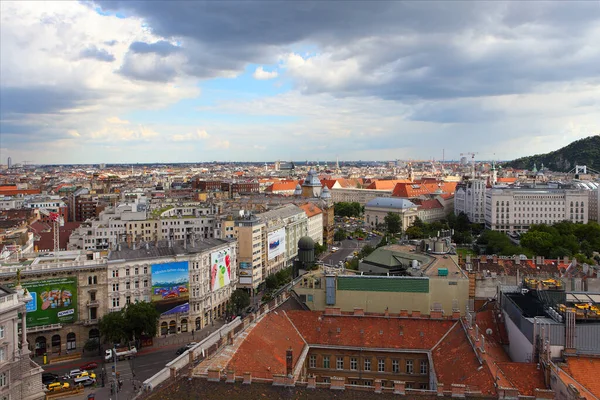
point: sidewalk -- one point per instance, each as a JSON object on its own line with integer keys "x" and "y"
{"x": 163, "y": 342}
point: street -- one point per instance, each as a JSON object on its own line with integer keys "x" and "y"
{"x": 347, "y": 247}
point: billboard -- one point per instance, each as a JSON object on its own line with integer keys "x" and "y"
{"x": 54, "y": 301}
{"x": 276, "y": 243}
{"x": 170, "y": 281}
{"x": 220, "y": 268}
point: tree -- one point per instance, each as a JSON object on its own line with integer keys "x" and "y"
{"x": 240, "y": 300}
{"x": 418, "y": 222}
{"x": 339, "y": 235}
{"x": 393, "y": 223}
{"x": 141, "y": 319}
{"x": 347, "y": 209}
{"x": 112, "y": 327}
{"x": 91, "y": 344}
{"x": 414, "y": 232}
{"x": 319, "y": 249}
{"x": 368, "y": 249}
{"x": 271, "y": 282}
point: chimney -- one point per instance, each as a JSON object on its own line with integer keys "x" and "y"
{"x": 289, "y": 361}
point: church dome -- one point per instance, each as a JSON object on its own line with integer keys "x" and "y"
{"x": 298, "y": 190}
{"x": 325, "y": 193}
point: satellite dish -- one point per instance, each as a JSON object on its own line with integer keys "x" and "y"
{"x": 488, "y": 331}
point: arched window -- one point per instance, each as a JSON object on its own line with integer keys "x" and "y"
{"x": 56, "y": 342}
{"x": 164, "y": 329}
{"x": 184, "y": 325}
{"x": 95, "y": 280}
{"x": 94, "y": 333}
{"x": 71, "y": 341}
{"x": 198, "y": 323}
{"x": 172, "y": 327}
{"x": 40, "y": 345}
{"x": 89, "y": 280}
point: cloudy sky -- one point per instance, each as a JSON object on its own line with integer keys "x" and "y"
{"x": 146, "y": 81}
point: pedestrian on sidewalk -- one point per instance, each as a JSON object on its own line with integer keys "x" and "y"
{"x": 192, "y": 333}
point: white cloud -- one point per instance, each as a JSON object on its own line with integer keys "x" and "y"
{"x": 199, "y": 134}
{"x": 117, "y": 120}
{"x": 73, "y": 133}
{"x": 263, "y": 75}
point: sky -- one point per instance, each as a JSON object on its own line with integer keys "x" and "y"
{"x": 192, "y": 81}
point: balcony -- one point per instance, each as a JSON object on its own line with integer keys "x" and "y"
{"x": 89, "y": 322}
{"x": 93, "y": 303}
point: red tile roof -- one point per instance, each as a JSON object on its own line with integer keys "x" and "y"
{"x": 289, "y": 186}
{"x": 266, "y": 346}
{"x": 455, "y": 362}
{"x": 585, "y": 371}
{"x": 382, "y": 184}
{"x": 419, "y": 188}
{"x": 369, "y": 331}
{"x": 429, "y": 204}
{"x": 310, "y": 209}
{"x": 46, "y": 242}
{"x": 526, "y": 377}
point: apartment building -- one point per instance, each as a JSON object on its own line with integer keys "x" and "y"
{"x": 268, "y": 242}
{"x": 514, "y": 210}
{"x": 469, "y": 199}
{"x": 315, "y": 222}
{"x": 206, "y": 274}
{"x": 109, "y": 230}
{"x": 20, "y": 377}
{"x": 51, "y": 204}
{"x": 57, "y": 325}
{"x": 594, "y": 204}
{"x": 10, "y": 203}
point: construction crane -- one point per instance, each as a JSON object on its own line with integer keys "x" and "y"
{"x": 472, "y": 162}
{"x": 57, "y": 222}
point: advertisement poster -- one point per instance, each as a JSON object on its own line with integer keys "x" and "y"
{"x": 170, "y": 281}
{"x": 245, "y": 265}
{"x": 276, "y": 241}
{"x": 220, "y": 268}
{"x": 54, "y": 301}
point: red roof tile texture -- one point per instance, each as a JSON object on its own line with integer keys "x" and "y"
{"x": 386, "y": 184}
{"x": 310, "y": 210}
{"x": 585, "y": 371}
{"x": 368, "y": 332}
{"x": 455, "y": 362}
{"x": 524, "y": 376}
{"x": 418, "y": 188}
{"x": 264, "y": 350}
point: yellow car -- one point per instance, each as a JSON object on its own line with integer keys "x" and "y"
{"x": 86, "y": 374}
{"x": 56, "y": 386}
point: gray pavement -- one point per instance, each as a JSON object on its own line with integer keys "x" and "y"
{"x": 346, "y": 248}
{"x": 148, "y": 362}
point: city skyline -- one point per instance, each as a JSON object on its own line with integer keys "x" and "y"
{"x": 166, "y": 82}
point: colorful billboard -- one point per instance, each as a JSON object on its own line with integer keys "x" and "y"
{"x": 170, "y": 281}
{"x": 276, "y": 243}
{"x": 220, "y": 269}
{"x": 54, "y": 301}
{"x": 245, "y": 265}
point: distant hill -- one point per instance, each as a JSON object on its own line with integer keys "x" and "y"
{"x": 581, "y": 152}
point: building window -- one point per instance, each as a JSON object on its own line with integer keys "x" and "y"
{"x": 2, "y": 354}
{"x": 3, "y": 380}
{"x": 128, "y": 300}
{"x": 137, "y": 284}
{"x": 381, "y": 365}
{"x": 145, "y": 283}
{"x": 395, "y": 366}
{"x": 340, "y": 363}
{"x": 145, "y": 270}
{"x": 137, "y": 270}
{"x": 424, "y": 368}
{"x": 408, "y": 385}
{"x": 423, "y": 386}
{"x": 127, "y": 285}
{"x": 353, "y": 364}
{"x": 127, "y": 272}
{"x": 367, "y": 364}
{"x": 1, "y": 331}
{"x": 115, "y": 287}
{"x": 409, "y": 366}
{"x": 312, "y": 362}
{"x": 325, "y": 361}
{"x": 115, "y": 302}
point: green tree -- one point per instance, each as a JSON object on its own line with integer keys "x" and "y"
{"x": 91, "y": 344}
{"x": 393, "y": 223}
{"x": 347, "y": 209}
{"x": 141, "y": 319}
{"x": 240, "y": 300}
{"x": 414, "y": 232}
{"x": 339, "y": 235}
{"x": 271, "y": 282}
{"x": 112, "y": 327}
{"x": 418, "y": 222}
{"x": 319, "y": 249}
{"x": 365, "y": 251}
{"x": 541, "y": 243}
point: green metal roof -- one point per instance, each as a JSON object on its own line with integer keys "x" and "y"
{"x": 383, "y": 284}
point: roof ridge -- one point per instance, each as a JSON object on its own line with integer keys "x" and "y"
{"x": 444, "y": 337}
{"x": 297, "y": 331}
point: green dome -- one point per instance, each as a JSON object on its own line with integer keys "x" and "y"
{"x": 306, "y": 243}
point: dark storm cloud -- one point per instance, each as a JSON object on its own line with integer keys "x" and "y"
{"x": 403, "y": 49}
{"x": 39, "y": 100}
{"x": 162, "y": 48}
{"x": 96, "y": 54}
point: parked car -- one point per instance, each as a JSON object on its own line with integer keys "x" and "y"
{"x": 73, "y": 373}
{"x": 84, "y": 375}
{"x": 48, "y": 378}
{"x": 89, "y": 366}
{"x": 56, "y": 386}
{"x": 181, "y": 350}
{"x": 190, "y": 345}
{"x": 86, "y": 381}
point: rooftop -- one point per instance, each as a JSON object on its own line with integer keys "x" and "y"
{"x": 150, "y": 250}
{"x": 389, "y": 202}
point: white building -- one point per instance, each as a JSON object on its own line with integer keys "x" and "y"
{"x": 377, "y": 209}
{"x": 315, "y": 222}
{"x": 514, "y": 210}
{"x": 132, "y": 277}
{"x": 20, "y": 377}
{"x": 469, "y": 198}
{"x": 362, "y": 196}
{"x": 10, "y": 203}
